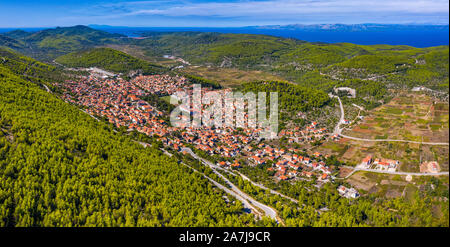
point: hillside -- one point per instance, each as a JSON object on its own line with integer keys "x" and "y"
{"x": 8, "y": 42}
{"x": 60, "y": 167}
{"x": 32, "y": 70}
{"x": 51, "y": 43}
{"x": 110, "y": 60}
{"x": 317, "y": 64}
{"x": 17, "y": 34}
{"x": 291, "y": 98}
{"x": 295, "y": 60}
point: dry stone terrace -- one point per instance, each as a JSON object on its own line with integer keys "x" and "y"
{"x": 120, "y": 102}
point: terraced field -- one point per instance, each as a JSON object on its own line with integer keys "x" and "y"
{"x": 412, "y": 116}
{"x": 409, "y": 116}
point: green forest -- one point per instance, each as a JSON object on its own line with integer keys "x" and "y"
{"x": 48, "y": 44}
{"x": 315, "y": 64}
{"x": 60, "y": 167}
{"x": 326, "y": 208}
{"x": 291, "y": 97}
{"x": 110, "y": 60}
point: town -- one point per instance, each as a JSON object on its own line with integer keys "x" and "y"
{"x": 122, "y": 104}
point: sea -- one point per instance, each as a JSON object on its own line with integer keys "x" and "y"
{"x": 411, "y": 37}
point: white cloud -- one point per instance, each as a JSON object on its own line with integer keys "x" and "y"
{"x": 263, "y": 12}
{"x": 286, "y": 7}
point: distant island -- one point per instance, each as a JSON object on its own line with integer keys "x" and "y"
{"x": 417, "y": 35}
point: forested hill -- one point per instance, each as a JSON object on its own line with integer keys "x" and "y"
{"x": 109, "y": 59}
{"x": 51, "y": 43}
{"x": 8, "y": 42}
{"x": 306, "y": 62}
{"x": 291, "y": 97}
{"x": 60, "y": 167}
{"x": 319, "y": 65}
{"x": 28, "y": 68}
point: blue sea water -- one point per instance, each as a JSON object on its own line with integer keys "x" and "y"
{"x": 414, "y": 37}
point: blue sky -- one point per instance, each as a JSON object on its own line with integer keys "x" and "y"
{"x": 218, "y": 13}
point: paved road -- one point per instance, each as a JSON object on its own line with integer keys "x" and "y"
{"x": 395, "y": 173}
{"x": 338, "y": 130}
{"x": 265, "y": 188}
{"x": 394, "y": 140}
{"x": 46, "y": 88}
{"x": 58, "y": 64}
{"x": 50, "y": 91}
{"x": 220, "y": 186}
{"x": 267, "y": 210}
{"x": 231, "y": 192}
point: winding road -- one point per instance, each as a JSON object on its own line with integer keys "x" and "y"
{"x": 246, "y": 202}
{"x": 394, "y": 140}
{"x": 394, "y": 173}
{"x": 338, "y": 130}
{"x": 265, "y": 188}
{"x": 267, "y": 210}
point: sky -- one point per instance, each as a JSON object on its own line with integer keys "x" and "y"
{"x": 219, "y": 13}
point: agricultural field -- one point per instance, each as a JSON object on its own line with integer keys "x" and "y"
{"x": 409, "y": 116}
{"x": 393, "y": 186}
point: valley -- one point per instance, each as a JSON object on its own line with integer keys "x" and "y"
{"x": 317, "y": 173}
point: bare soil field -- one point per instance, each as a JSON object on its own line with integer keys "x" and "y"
{"x": 409, "y": 116}
{"x": 343, "y": 172}
{"x": 385, "y": 185}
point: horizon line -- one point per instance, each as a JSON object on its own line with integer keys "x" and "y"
{"x": 106, "y": 25}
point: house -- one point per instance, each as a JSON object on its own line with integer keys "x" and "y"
{"x": 367, "y": 160}
{"x": 353, "y": 193}
{"x": 292, "y": 173}
{"x": 335, "y": 137}
{"x": 236, "y": 165}
{"x": 133, "y": 97}
{"x": 325, "y": 169}
{"x": 433, "y": 167}
{"x": 307, "y": 174}
{"x": 295, "y": 167}
{"x": 342, "y": 189}
{"x": 348, "y": 193}
{"x": 222, "y": 163}
{"x": 315, "y": 165}
{"x": 258, "y": 160}
{"x": 287, "y": 157}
